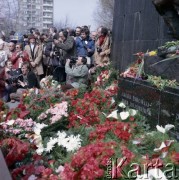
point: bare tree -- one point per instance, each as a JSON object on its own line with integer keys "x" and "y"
{"x": 103, "y": 14}
{"x": 64, "y": 23}
{"x": 8, "y": 15}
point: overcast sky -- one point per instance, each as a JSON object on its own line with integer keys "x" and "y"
{"x": 79, "y": 12}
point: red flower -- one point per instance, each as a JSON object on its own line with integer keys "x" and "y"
{"x": 46, "y": 172}
{"x": 17, "y": 150}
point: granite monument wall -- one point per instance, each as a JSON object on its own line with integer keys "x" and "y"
{"x": 137, "y": 26}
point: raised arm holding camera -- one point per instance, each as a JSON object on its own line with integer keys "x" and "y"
{"x": 66, "y": 46}
{"x": 78, "y": 74}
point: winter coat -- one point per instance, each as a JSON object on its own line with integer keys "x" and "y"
{"x": 82, "y": 45}
{"x": 37, "y": 58}
{"x": 15, "y": 59}
{"x": 67, "y": 47}
{"x": 78, "y": 75}
{"x": 102, "y": 59}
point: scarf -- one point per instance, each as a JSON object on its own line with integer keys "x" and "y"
{"x": 101, "y": 40}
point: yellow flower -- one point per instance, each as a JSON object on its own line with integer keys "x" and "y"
{"x": 152, "y": 53}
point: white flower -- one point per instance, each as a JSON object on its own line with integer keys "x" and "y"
{"x": 38, "y": 127}
{"x": 166, "y": 129}
{"x": 164, "y": 145}
{"x": 60, "y": 169}
{"x": 160, "y": 148}
{"x": 73, "y": 143}
{"x": 40, "y": 150}
{"x": 122, "y": 105}
{"x": 61, "y": 139}
{"x": 143, "y": 177}
{"x": 124, "y": 115}
{"x": 51, "y": 144}
{"x": 112, "y": 101}
{"x": 152, "y": 174}
{"x": 10, "y": 123}
{"x": 157, "y": 174}
{"x": 32, "y": 177}
{"x": 132, "y": 112}
{"x": 113, "y": 115}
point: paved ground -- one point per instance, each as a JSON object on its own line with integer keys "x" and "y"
{"x": 12, "y": 105}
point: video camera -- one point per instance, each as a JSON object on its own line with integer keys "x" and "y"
{"x": 15, "y": 76}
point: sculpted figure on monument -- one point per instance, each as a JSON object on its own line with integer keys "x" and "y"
{"x": 169, "y": 10}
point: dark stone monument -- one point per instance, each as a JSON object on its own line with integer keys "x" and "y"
{"x": 141, "y": 96}
{"x": 138, "y": 27}
{"x": 167, "y": 70}
{"x": 160, "y": 107}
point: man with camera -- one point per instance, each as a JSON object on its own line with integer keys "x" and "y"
{"x": 65, "y": 45}
{"x": 103, "y": 46}
{"x": 27, "y": 80}
{"x": 77, "y": 73}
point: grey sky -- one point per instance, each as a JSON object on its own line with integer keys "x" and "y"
{"x": 79, "y": 12}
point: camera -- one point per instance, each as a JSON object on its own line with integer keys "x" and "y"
{"x": 56, "y": 52}
{"x": 99, "y": 49}
{"x": 73, "y": 60}
{"x": 15, "y": 76}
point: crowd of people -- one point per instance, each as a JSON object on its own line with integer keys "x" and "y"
{"x": 68, "y": 55}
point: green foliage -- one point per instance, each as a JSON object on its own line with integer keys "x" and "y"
{"x": 161, "y": 83}
{"x": 170, "y": 44}
{"x": 149, "y": 142}
{"x": 52, "y": 129}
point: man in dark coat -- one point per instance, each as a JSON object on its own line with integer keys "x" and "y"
{"x": 26, "y": 81}
{"x": 65, "y": 46}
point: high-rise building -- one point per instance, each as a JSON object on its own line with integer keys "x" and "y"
{"x": 35, "y": 13}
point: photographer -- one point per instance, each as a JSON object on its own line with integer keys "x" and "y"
{"x": 19, "y": 57}
{"x": 103, "y": 45}
{"x": 54, "y": 63}
{"x": 78, "y": 74}
{"x": 26, "y": 81}
{"x": 66, "y": 46}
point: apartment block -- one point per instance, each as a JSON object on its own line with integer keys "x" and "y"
{"x": 35, "y": 13}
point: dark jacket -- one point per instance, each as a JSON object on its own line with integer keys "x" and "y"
{"x": 67, "y": 47}
{"x": 32, "y": 81}
{"x": 52, "y": 60}
{"x": 2, "y": 81}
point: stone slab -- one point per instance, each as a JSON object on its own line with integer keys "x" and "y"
{"x": 160, "y": 107}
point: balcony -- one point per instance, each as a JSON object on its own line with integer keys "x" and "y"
{"x": 48, "y": 4}
{"x": 47, "y": 10}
